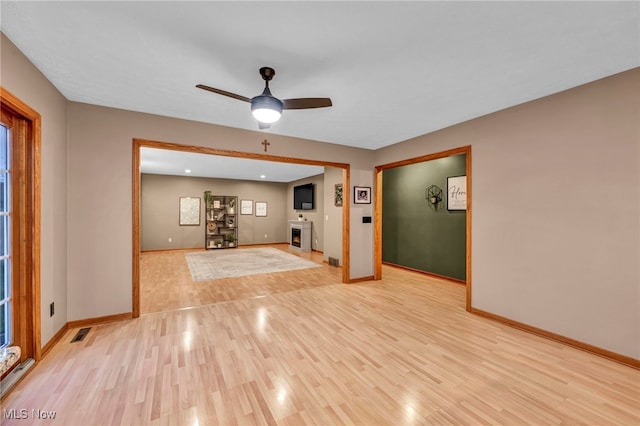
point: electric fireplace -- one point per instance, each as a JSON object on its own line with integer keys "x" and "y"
{"x": 296, "y": 237}
{"x": 300, "y": 235}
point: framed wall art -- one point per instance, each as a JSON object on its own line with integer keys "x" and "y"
{"x": 246, "y": 207}
{"x": 457, "y": 193}
{"x": 362, "y": 195}
{"x": 189, "y": 211}
{"x": 261, "y": 208}
{"x": 338, "y": 195}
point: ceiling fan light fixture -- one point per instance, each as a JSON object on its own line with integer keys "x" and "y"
{"x": 266, "y": 109}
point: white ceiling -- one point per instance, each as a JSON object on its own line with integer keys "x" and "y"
{"x": 394, "y": 70}
{"x": 167, "y": 162}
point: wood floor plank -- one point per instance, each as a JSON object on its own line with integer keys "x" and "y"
{"x": 302, "y": 348}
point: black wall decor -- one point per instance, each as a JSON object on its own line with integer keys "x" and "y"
{"x": 433, "y": 193}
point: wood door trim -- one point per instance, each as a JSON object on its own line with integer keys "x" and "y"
{"x": 238, "y": 154}
{"x": 377, "y": 234}
{"x": 31, "y": 216}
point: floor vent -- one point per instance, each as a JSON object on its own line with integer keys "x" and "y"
{"x": 80, "y": 334}
{"x": 333, "y": 261}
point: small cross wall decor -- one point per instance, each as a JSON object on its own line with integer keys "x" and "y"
{"x": 266, "y": 144}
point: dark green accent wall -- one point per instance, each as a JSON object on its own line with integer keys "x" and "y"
{"x": 414, "y": 233}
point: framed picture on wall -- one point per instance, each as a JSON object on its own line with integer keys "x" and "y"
{"x": 261, "y": 208}
{"x": 457, "y": 193}
{"x": 338, "y": 195}
{"x": 189, "y": 211}
{"x": 362, "y": 195}
{"x": 246, "y": 207}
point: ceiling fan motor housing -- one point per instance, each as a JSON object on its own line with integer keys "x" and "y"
{"x": 266, "y": 108}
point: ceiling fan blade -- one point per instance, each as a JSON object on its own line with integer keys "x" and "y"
{"x": 304, "y": 103}
{"x": 223, "y": 92}
{"x": 263, "y": 126}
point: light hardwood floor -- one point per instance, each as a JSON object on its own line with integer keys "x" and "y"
{"x": 166, "y": 284}
{"x": 400, "y": 351}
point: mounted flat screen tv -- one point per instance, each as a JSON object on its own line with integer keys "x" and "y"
{"x": 303, "y": 197}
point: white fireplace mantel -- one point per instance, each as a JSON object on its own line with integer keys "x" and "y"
{"x": 300, "y": 235}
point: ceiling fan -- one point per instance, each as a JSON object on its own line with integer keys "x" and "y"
{"x": 266, "y": 108}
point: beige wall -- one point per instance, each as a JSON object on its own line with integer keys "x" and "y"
{"x": 159, "y": 212}
{"x": 23, "y": 80}
{"x": 555, "y": 210}
{"x": 160, "y": 220}
{"x": 361, "y": 234}
{"x": 332, "y": 216}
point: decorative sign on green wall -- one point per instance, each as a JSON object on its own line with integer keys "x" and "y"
{"x": 457, "y": 193}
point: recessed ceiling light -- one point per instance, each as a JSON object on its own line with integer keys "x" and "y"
{"x": 187, "y": 170}
{"x": 262, "y": 176}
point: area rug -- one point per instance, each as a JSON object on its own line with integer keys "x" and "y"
{"x": 216, "y": 264}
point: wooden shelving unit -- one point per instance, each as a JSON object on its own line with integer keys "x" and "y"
{"x": 221, "y": 230}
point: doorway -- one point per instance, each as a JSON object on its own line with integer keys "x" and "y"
{"x": 140, "y": 143}
{"x": 20, "y": 260}
{"x": 378, "y": 258}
